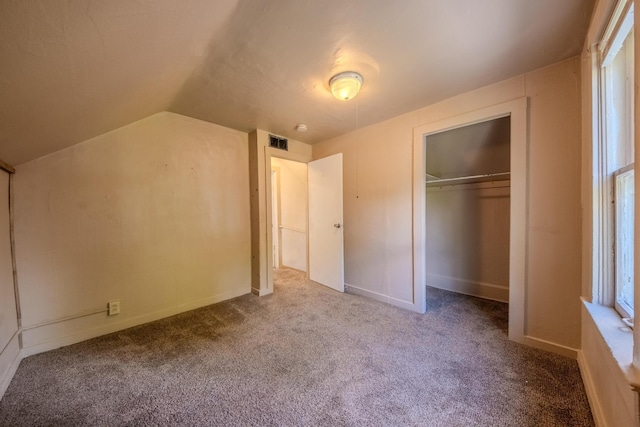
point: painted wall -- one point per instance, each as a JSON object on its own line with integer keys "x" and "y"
{"x": 378, "y": 198}
{"x": 467, "y": 239}
{"x": 293, "y": 212}
{"x": 154, "y": 214}
{"x": 9, "y": 349}
{"x": 605, "y": 362}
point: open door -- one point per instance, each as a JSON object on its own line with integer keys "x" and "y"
{"x": 326, "y": 240}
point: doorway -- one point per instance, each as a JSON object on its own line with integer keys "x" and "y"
{"x": 289, "y": 214}
{"x": 324, "y": 259}
{"x": 516, "y": 110}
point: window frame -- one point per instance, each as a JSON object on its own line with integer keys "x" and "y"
{"x": 619, "y": 27}
{"x": 621, "y": 307}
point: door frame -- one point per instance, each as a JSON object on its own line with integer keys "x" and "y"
{"x": 275, "y": 243}
{"x": 517, "y": 110}
{"x": 286, "y": 155}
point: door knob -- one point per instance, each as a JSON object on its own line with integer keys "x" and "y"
{"x": 338, "y": 225}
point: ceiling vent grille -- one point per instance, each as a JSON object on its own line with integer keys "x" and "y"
{"x": 278, "y": 142}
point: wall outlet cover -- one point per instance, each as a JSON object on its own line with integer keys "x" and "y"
{"x": 114, "y": 307}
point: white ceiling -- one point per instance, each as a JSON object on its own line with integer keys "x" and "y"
{"x": 73, "y": 69}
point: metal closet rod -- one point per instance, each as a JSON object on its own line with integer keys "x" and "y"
{"x": 451, "y": 181}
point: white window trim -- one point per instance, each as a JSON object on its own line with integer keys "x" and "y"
{"x": 602, "y": 257}
{"x": 602, "y": 266}
{"x": 626, "y": 312}
{"x": 617, "y": 337}
{"x": 603, "y": 213}
{"x": 616, "y": 32}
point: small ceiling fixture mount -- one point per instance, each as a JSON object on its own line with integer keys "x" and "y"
{"x": 346, "y": 85}
{"x": 302, "y": 127}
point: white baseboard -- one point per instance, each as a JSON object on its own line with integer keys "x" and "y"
{"x": 551, "y": 347}
{"x": 469, "y": 287}
{"x": 83, "y": 335}
{"x": 381, "y": 297}
{"x": 10, "y": 359}
{"x": 590, "y": 388}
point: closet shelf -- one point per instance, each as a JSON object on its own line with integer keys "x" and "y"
{"x": 434, "y": 181}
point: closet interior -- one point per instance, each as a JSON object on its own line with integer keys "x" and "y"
{"x": 467, "y": 209}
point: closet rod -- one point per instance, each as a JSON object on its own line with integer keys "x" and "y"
{"x": 472, "y": 178}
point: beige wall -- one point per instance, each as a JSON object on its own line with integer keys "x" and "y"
{"x": 9, "y": 350}
{"x": 467, "y": 239}
{"x": 378, "y": 198}
{"x": 154, "y": 214}
{"x": 606, "y": 378}
{"x": 554, "y": 213}
{"x": 293, "y": 212}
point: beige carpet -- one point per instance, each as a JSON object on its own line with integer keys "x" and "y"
{"x": 305, "y": 356}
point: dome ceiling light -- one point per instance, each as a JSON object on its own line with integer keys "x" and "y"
{"x": 345, "y": 86}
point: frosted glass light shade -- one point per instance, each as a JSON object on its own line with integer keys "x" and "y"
{"x": 345, "y": 86}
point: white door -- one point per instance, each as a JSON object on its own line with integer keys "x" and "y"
{"x": 326, "y": 240}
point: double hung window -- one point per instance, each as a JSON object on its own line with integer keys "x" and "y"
{"x": 616, "y": 61}
{"x": 616, "y": 56}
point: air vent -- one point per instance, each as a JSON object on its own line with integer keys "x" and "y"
{"x": 279, "y": 143}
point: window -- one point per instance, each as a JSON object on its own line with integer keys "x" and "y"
{"x": 616, "y": 55}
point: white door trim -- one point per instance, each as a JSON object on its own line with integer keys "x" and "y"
{"x": 517, "y": 110}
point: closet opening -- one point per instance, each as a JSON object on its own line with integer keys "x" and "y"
{"x": 467, "y": 223}
{"x": 516, "y": 112}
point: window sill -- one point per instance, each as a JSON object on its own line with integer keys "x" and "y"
{"x": 619, "y": 340}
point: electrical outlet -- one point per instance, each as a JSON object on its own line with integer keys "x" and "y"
{"x": 114, "y": 307}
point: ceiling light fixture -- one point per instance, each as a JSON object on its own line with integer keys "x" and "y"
{"x": 345, "y": 86}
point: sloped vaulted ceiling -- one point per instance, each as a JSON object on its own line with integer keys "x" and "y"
{"x": 73, "y": 69}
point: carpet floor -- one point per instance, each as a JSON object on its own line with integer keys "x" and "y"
{"x": 304, "y": 356}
